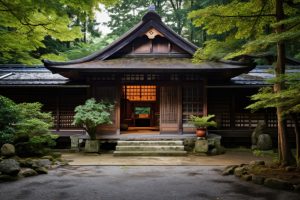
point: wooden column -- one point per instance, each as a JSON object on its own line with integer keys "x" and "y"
{"x": 118, "y": 108}
{"x": 179, "y": 91}
{"x": 57, "y": 111}
{"x": 232, "y": 111}
{"x": 204, "y": 97}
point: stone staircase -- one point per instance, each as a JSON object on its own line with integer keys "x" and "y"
{"x": 150, "y": 148}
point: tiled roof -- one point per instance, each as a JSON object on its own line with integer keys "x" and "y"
{"x": 29, "y": 75}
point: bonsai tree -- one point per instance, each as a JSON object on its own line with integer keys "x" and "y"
{"x": 92, "y": 114}
{"x": 203, "y": 122}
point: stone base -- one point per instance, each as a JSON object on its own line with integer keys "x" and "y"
{"x": 201, "y": 146}
{"x": 92, "y": 146}
{"x": 210, "y": 145}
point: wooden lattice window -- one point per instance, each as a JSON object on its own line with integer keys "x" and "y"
{"x": 140, "y": 92}
{"x": 192, "y": 102}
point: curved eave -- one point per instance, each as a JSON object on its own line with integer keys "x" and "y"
{"x": 210, "y": 70}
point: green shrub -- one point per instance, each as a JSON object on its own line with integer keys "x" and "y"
{"x": 26, "y": 126}
{"x": 92, "y": 114}
{"x": 203, "y": 122}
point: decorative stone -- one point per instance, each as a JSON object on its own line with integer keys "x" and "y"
{"x": 201, "y": 146}
{"x": 47, "y": 157}
{"x": 5, "y": 177}
{"x": 214, "y": 140}
{"x": 27, "y": 162}
{"x": 240, "y": 171}
{"x": 278, "y": 184}
{"x": 74, "y": 141}
{"x": 9, "y": 167}
{"x": 257, "y": 162}
{"x": 229, "y": 170}
{"x": 26, "y": 172}
{"x": 264, "y": 142}
{"x": 8, "y": 150}
{"x": 41, "y": 163}
{"x": 189, "y": 144}
{"x": 258, "y": 179}
{"x": 41, "y": 170}
{"x": 260, "y": 129}
{"x": 92, "y": 146}
{"x": 246, "y": 177}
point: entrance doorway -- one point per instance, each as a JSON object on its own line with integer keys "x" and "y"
{"x": 140, "y": 109}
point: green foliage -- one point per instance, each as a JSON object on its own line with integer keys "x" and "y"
{"x": 84, "y": 49}
{"x": 25, "y": 24}
{"x": 8, "y": 112}
{"x": 288, "y": 98}
{"x": 92, "y": 114}
{"x": 203, "y": 122}
{"x": 26, "y": 126}
{"x": 249, "y": 23}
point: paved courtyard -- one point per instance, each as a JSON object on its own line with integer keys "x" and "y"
{"x": 138, "y": 183}
{"x": 231, "y": 157}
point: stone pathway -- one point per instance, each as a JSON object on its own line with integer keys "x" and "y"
{"x": 229, "y": 158}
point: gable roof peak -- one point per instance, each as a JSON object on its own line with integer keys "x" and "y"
{"x": 151, "y": 15}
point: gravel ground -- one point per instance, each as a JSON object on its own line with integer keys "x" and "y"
{"x": 138, "y": 182}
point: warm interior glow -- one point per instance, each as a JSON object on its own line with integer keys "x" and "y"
{"x": 140, "y": 92}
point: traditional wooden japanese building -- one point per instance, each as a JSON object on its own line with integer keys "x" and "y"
{"x": 149, "y": 76}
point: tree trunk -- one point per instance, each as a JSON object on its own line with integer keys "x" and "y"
{"x": 285, "y": 156}
{"x": 296, "y": 129}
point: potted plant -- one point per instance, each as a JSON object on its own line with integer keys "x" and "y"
{"x": 201, "y": 123}
{"x": 89, "y": 116}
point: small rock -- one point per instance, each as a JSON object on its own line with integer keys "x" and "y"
{"x": 41, "y": 170}
{"x": 9, "y": 167}
{"x": 257, "y": 162}
{"x": 47, "y": 157}
{"x": 26, "y": 172}
{"x": 5, "y": 177}
{"x": 246, "y": 177}
{"x": 229, "y": 170}
{"x": 258, "y": 179}
{"x": 8, "y": 150}
{"x": 240, "y": 171}
{"x": 290, "y": 169}
{"x": 213, "y": 152}
{"x": 264, "y": 142}
{"x": 28, "y": 162}
{"x": 278, "y": 184}
{"x": 41, "y": 163}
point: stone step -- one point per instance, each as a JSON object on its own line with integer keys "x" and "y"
{"x": 150, "y": 153}
{"x": 150, "y": 143}
{"x": 150, "y": 148}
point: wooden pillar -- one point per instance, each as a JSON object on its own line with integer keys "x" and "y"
{"x": 118, "y": 108}
{"x": 232, "y": 111}
{"x": 179, "y": 104}
{"x": 204, "y": 97}
{"x": 57, "y": 111}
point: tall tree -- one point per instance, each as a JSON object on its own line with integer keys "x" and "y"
{"x": 253, "y": 26}
{"x": 288, "y": 99}
{"x": 25, "y": 24}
